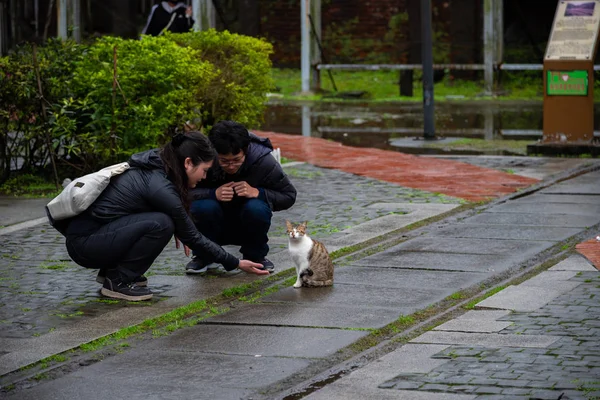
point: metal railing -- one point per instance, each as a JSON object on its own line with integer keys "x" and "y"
{"x": 401, "y": 67}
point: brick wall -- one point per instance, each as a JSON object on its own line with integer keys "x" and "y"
{"x": 365, "y": 23}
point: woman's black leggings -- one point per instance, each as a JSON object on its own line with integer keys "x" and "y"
{"x": 124, "y": 248}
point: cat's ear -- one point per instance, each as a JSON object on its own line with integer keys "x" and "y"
{"x": 305, "y": 224}
{"x": 288, "y": 225}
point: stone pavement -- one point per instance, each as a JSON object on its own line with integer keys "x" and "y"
{"x": 536, "y": 341}
{"x": 272, "y": 345}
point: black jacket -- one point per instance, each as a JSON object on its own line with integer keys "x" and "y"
{"x": 144, "y": 188}
{"x": 161, "y": 15}
{"x": 260, "y": 170}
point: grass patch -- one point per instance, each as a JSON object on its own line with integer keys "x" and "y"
{"x": 31, "y": 186}
{"x": 383, "y": 86}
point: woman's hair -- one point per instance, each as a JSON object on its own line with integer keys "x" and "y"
{"x": 194, "y": 145}
{"x": 229, "y": 137}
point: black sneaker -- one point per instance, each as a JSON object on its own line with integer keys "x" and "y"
{"x": 197, "y": 266}
{"x": 125, "y": 291}
{"x": 267, "y": 265}
{"x": 139, "y": 281}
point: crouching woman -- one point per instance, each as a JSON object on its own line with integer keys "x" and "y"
{"x": 128, "y": 226}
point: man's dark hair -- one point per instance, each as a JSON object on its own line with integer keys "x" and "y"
{"x": 229, "y": 137}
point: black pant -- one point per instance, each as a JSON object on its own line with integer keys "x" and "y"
{"x": 125, "y": 248}
{"x": 243, "y": 223}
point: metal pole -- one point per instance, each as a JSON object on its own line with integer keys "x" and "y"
{"x": 427, "y": 51}
{"x": 76, "y": 20}
{"x": 305, "y": 54}
{"x": 62, "y": 31}
{"x": 306, "y": 121}
{"x": 489, "y": 46}
{"x": 204, "y": 13}
{"x": 315, "y": 13}
{"x": 499, "y": 31}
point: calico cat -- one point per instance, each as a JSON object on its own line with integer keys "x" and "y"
{"x": 313, "y": 264}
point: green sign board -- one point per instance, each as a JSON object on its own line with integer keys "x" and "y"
{"x": 567, "y": 83}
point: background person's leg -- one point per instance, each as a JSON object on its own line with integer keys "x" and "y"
{"x": 130, "y": 243}
{"x": 208, "y": 217}
{"x": 255, "y": 221}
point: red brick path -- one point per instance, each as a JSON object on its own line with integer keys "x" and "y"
{"x": 448, "y": 177}
{"x": 590, "y": 250}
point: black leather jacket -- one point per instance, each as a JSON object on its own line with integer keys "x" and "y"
{"x": 260, "y": 170}
{"x": 145, "y": 188}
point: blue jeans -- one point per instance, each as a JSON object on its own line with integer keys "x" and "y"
{"x": 243, "y": 223}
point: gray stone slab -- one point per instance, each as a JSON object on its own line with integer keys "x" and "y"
{"x": 188, "y": 374}
{"x": 525, "y": 298}
{"x": 351, "y": 315}
{"x": 473, "y": 325}
{"x": 486, "y": 339}
{"x": 515, "y": 206}
{"x": 258, "y": 340}
{"x": 424, "y": 209}
{"x": 380, "y": 226}
{"x": 14, "y": 210}
{"x": 545, "y": 197}
{"x": 562, "y": 220}
{"x": 394, "y": 258}
{"x": 404, "y": 301}
{"x": 12, "y": 361}
{"x": 549, "y": 279}
{"x": 575, "y": 262}
{"x": 508, "y": 232}
{"x": 99, "y": 388}
{"x": 349, "y": 391}
{"x": 371, "y": 229}
{"x": 574, "y": 188}
{"x": 411, "y": 358}
{"x": 484, "y": 315}
{"x": 472, "y": 246}
{"x": 362, "y": 383}
{"x": 406, "y": 278}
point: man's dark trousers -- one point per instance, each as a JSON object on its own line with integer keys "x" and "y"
{"x": 241, "y": 222}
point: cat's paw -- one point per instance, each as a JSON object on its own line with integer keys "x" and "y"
{"x": 298, "y": 285}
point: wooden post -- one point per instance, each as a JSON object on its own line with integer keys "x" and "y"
{"x": 569, "y": 73}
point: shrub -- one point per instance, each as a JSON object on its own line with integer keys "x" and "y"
{"x": 243, "y": 75}
{"x": 93, "y": 119}
{"x": 159, "y": 88}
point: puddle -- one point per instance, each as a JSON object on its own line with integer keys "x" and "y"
{"x": 396, "y": 126}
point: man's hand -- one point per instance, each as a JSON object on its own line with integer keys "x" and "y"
{"x": 188, "y": 11}
{"x": 225, "y": 192}
{"x": 243, "y": 189}
{"x": 252, "y": 267}
{"x": 186, "y": 249}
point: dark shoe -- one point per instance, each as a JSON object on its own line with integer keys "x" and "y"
{"x": 140, "y": 280}
{"x": 267, "y": 265}
{"x": 125, "y": 291}
{"x": 196, "y": 266}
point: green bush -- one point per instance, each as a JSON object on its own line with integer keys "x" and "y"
{"x": 238, "y": 90}
{"x": 159, "y": 87}
{"x": 162, "y": 83}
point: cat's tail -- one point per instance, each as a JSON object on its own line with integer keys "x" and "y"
{"x": 305, "y": 273}
{"x": 311, "y": 283}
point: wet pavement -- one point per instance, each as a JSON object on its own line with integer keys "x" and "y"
{"x": 272, "y": 345}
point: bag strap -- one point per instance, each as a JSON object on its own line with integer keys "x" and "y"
{"x": 169, "y": 24}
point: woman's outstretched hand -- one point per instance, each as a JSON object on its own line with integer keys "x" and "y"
{"x": 186, "y": 249}
{"x": 252, "y": 267}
